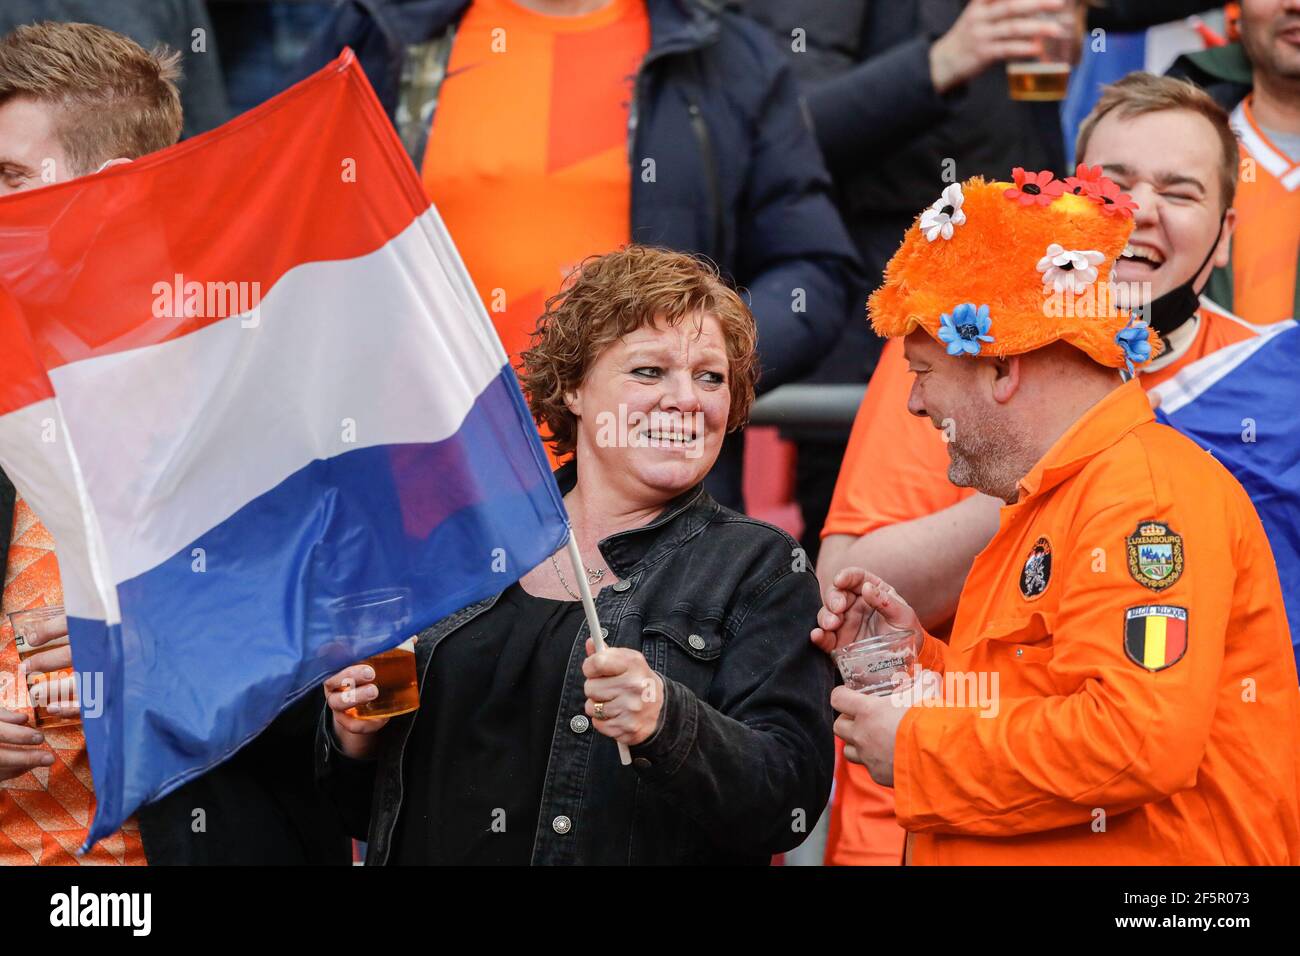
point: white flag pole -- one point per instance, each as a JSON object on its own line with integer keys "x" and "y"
{"x": 593, "y": 622}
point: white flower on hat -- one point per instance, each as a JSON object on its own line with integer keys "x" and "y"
{"x": 946, "y": 212}
{"x": 1069, "y": 270}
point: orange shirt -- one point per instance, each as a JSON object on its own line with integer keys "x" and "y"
{"x": 895, "y": 469}
{"x": 1266, "y": 243}
{"x": 45, "y": 813}
{"x": 527, "y": 157}
{"x": 1215, "y": 328}
{"x": 907, "y": 481}
{"x": 1139, "y": 701}
{"x": 862, "y": 829}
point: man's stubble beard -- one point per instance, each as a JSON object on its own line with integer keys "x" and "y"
{"x": 1261, "y": 48}
{"x": 990, "y": 456}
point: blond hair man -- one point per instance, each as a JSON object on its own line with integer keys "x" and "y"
{"x": 74, "y": 98}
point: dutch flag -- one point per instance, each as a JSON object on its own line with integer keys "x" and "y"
{"x": 245, "y": 378}
{"x": 1239, "y": 403}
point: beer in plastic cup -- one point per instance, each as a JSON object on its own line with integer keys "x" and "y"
{"x": 373, "y": 614}
{"x": 1047, "y": 76}
{"x": 880, "y": 664}
{"x": 25, "y": 624}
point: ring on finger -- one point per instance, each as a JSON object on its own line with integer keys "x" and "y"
{"x": 598, "y": 710}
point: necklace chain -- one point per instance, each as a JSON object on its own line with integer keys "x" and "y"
{"x": 593, "y": 577}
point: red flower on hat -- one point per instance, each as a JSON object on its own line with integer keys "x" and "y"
{"x": 1030, "y": 188}
{"x": 1086, "y": 180}
{"x": 1113, "y": 202}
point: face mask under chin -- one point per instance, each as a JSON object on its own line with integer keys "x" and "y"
{"x": 1167, "y": 312}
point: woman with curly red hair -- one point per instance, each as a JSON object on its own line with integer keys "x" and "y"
{"x": 636, "y": 372}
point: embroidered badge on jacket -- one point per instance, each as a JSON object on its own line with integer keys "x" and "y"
{"x": 1155, "y": 555}
{"x": 1037, "y": 572}
{"x": 1155, "y": 635}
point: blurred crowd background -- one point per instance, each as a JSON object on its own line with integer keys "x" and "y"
{"x": 862, "y": 71}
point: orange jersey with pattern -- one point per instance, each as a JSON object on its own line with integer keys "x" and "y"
{"x": 45, "y": 813}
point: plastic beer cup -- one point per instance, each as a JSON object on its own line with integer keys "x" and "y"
{"x": 26, "y": 625}
{"x": 879, "y": 664}
{"x": 378, "y": 613}
{"x": 1047, "y": 76}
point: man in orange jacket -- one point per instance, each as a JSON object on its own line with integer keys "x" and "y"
{"x": 898, "y": 515}
{"x": 1118, "y": 687}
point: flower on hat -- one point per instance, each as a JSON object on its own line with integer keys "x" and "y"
{"x": 965, "y": 329}
{"x": 944, "y": 214}
{"x": 1069, "y": 270}
{"x": 1085, "y": 181}
{"x": 1132, "y": 339}
{"x": 1112, "y": 200}
{"x": 1030, "y": 188}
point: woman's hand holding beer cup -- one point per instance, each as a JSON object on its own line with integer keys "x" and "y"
{"x": 848, "y": 603}
{"x": 349, "y": 687}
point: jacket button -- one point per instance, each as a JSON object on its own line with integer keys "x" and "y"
{"x": 621, "y": 585}
{"x": 579, "y": 723}
{"x": 1020, "y": 652}
{"x": 604, "y": 633}
{"x": 696, "y": 642}
{"x": 641, "y": 763}
{"x": 561, "y": 825}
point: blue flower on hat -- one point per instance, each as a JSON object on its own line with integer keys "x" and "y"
{"x": 1133, "y": 340}
{"x": 965, "y": 329}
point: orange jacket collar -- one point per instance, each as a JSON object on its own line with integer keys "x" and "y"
{"x": 1099, "y": 428}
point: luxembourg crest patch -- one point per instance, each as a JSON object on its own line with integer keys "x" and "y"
{"x": 1155, "y": 555}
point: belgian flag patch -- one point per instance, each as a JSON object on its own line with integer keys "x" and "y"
{"x": 1155, "y": 635}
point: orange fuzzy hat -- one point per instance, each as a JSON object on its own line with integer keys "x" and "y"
{"x": 1006, "y": 268}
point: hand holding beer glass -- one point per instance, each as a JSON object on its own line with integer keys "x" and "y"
{"x": 871, "y": 633}
{"x": 995, "y": 31}
{"x": 1046, "y": 75}
{"x": 45, "y": 656}
{"x": 364, "y": 696}
{"x": 45, "y": 673}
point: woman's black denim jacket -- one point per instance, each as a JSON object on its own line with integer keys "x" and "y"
{"x": 740, "y": 768}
